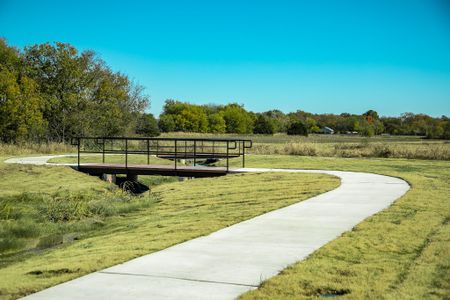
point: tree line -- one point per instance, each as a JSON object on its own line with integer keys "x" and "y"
{"x": 52, "y": 92}
{"x": 234, "y": 118}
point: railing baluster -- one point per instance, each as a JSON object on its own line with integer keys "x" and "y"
{"x": 176, "y": 154}
{"x": 78, "y": 146}
{"x": 195, "y": 152}
{"x": 243, "y": 154}
{"x": 148, "y": 152}
{"x": 228, "y": 157}
{"x": 126, "y": 153}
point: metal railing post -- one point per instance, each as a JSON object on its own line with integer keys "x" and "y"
{"x": 195, "y": 152}
{"x": 228, "y": 156}
{"x": 103, "y": 151}
{"x": 78, "y": 147}
{"x": 176, "y": 154}
{"x": 148, "y": 152}
{"x": 243, "y": 154}
{"x": 126, "y": 153}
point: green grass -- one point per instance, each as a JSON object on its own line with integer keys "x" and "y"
{"x": 75, "y": 232}
{"x": 402, "y": 252}
{"x": 410, "y": 147}
{"x": 16, "y": 179}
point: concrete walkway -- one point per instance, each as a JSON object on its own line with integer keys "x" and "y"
{"x": 238, "y": 258}
{"x": 39, "y": 160}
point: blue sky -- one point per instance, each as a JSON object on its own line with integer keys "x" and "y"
{"x": 318, "y": 56}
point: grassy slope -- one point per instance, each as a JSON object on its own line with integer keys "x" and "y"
{"x": 17, "y": 179}
{"x": 402, "y": 252}
{"x": 182, "y": 211}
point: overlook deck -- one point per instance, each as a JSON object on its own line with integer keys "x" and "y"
{"x": 192, "y": 151}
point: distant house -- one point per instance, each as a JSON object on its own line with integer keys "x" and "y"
{"x": 326, "y": 130}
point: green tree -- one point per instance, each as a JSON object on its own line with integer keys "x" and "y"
{"x": 297, "y": 128}
{"x": 311, "y": 125}
{"x": 280, "y": 120}
{"x": 264, "y": 125}
{"x": 216, "y": 123}
{"x": 237, "y": 119}
{"x": 20, "y": 102}
{"x": 446, "y": 131}
{"x": 147, "y": 125}
{"x": 166, "y": 123}
{"x": 186, "y": 116}
{"x": 82, "y": 95}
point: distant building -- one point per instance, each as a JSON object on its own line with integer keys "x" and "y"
{"x": 326, "y": 130}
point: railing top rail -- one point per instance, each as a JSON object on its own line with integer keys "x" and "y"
{"x": 163, "y": 139}
{"x": 179, "y": 151}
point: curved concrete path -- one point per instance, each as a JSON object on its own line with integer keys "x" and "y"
{"x": 39, "y": 160}
{"x": 238, "y": 258}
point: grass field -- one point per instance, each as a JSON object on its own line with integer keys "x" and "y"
{"x": 402, "y": 252}
{"x": 342, "y": 145}
{"x": 76, "y": 224}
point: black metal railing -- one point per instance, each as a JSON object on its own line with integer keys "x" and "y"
{"x": 193, "y": 149}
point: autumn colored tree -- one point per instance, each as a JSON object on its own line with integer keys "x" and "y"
{"x": 20, "y": 103}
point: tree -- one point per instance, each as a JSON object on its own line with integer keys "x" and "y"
{"x": 446, "y": 131}
{"x": 217, "y": 123}
{"x": 365, "y": 128}
{"x": 147, "y": 125}
{"x": 237, "y": 119}
{"x": 185, "y": 116}
{"x": 297, "y": 128}
{"x": 264, "y": 125}
{"x": 166, "y": 123}
{"x": 311, "y": 125}
{"x": 82, "y": 95}
{"x": 280, "y": 120}
{"x": 20, "y": 102}
{"x": 370, "y": 116}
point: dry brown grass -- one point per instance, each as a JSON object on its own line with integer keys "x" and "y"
{"x": 33, "y": 148}
{"x": 434, "y": 151}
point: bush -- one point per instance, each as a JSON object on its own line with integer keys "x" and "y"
{"x": 264, "y": 125}
{"x": 147, "y": 125}
{"x": 297, "y": 128}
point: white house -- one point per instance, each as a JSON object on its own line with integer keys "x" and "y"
{"x": 326, "y": 130}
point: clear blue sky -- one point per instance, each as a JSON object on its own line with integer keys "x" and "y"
{"x": 318, "y": 56}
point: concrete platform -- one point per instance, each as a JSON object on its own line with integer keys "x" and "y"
{"x": 238, "y": 258}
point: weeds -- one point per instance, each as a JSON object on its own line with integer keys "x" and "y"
{"x": 34, "y": 148}
{"x": 40, "y": 220}
{"x": 433, "y": 151}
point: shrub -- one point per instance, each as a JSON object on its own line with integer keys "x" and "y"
{"x": 264, "y": 125}
{"x": 297, "y": 128}
{"x": 147, "y": 125}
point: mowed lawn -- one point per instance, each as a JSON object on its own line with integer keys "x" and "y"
{"x": 99, "y": 226}
{"x": 402, "y": 252}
